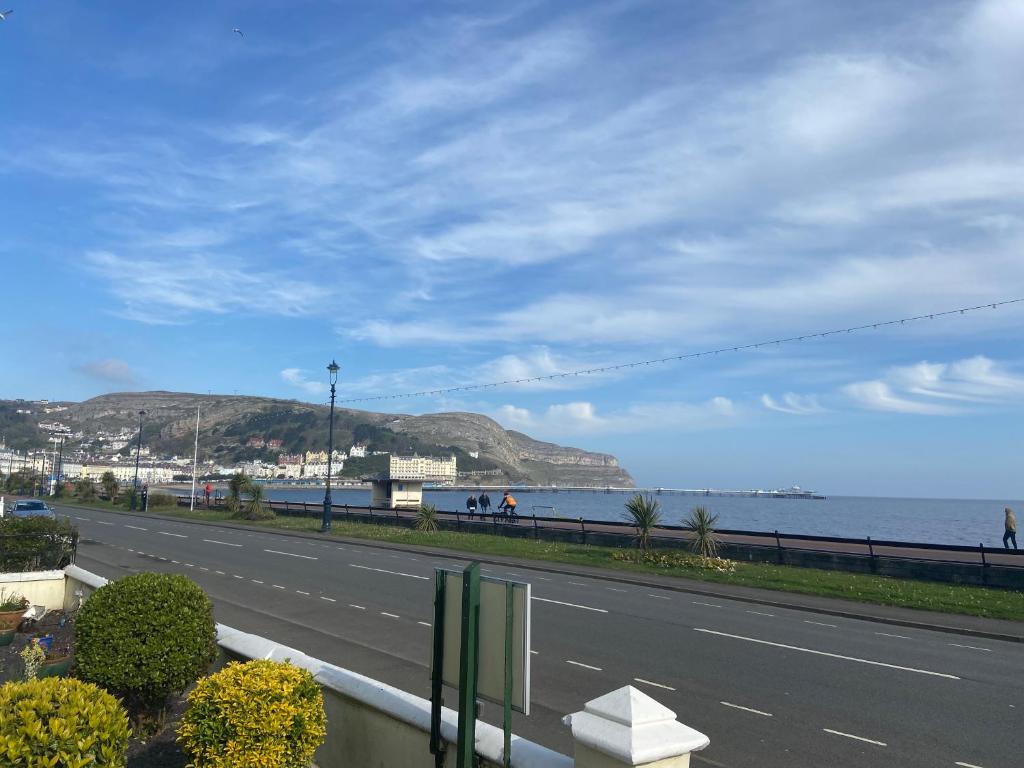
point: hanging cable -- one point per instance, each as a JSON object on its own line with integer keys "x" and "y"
{"x": 687, "y": 356}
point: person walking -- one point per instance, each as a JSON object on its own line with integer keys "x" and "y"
{"x": 471, "y": 505}
{"x": 485, "y": 503}
{"x": 1011, "y": 529}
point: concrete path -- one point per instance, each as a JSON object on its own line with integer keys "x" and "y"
{"x": 771, "y": 686}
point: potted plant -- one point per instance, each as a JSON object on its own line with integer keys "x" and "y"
{"x": 12, "y": 608}
{"x": 57, "y": 662}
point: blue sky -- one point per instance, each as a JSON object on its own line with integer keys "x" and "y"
{"x": 446, "y": 193}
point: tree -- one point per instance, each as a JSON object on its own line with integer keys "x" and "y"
{"x": 702, "y": 523}
{"x": 110, "y": 485}
{"x": 644, "y": 512}
{"x": 236, "y": 485}
{"x": 255, "y": 507}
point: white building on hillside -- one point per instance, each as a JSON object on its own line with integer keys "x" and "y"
{"x": 357, "y": 452}
{"x": 442, "y": 471}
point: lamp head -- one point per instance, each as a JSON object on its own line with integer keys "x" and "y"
{"x": 333, "y": 368}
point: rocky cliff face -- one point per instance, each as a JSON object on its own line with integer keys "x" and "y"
{"x": 227, "y": 422}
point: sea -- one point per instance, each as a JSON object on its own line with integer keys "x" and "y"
{"x": 935, "y": 521}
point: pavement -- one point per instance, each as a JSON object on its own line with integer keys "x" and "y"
{"x": 770, "y": 684}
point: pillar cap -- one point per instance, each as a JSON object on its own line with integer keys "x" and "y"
{"x": 630, "y": 726}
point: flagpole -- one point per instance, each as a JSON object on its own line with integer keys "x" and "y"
{"x": 195, "y": 462}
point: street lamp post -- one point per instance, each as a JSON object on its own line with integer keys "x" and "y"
{"x": 138, "y": 452}
{"x": 325, "y": 525}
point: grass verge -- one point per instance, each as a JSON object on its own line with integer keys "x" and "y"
{"x": 880, "y": 590}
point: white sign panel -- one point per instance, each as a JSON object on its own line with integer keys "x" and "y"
{"x": 491, "y": 667}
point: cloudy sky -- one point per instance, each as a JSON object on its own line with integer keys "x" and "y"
{"x": 450, "y": 193}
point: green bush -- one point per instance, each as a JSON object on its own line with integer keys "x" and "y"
{"x": 63, "y": 722}
{"x": 261, "y": 713}
{"x": 426, "y": 518}
{"x": 35, "y": 543}
{"x": 145, "y": 637}
{"x": 159, "y": 499}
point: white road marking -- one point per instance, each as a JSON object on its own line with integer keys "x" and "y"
{"x": 393, "y": 573}
{"x": 820, "y": 624}
{"x": 162, "y": 558}
{"x": 102, "y": 522}
{"x": 706, "y": 605}
{"x": 825, "y": 653}
{"x": 535, "y": 653}
{"x": 175, "y": 562}
{"x": 136, "y": 527}
{"x": 237, "y": 576}
{"x": 302, "y": 593}
{"x": 886, "y": 634}
{"x": 392, "y": 615}
{"x": 967, "y": 765}
{"x": 571, "y": 605}
{"x": 574, "y": 583}
{"x": 656, "y": 685}
{"x": 290, "y": 554}
{"x": 220, "y": 573}
{"x": 613, "y": 589}
{"x": 659, "y": 597}
{"x": 761, "y": 613}
{"x": 357, "y": 607}
{"x": 581, "y": 664}
{"x": 746, "y": 709}
{"x": 222, "y": 543}
{"x": 328, "y": 599}
{"x": 858, "y": 738}
{"x": 972, "y": 647}
{"x": 255, "y": 581}
{"x": 83, "y": 518}
{"x": 179, "y": 535}
{"x": 277, "y": 586}
{"x": 203, "y": 568}
{"x": 130, "y": 549}
{"x": 189, "y": 565}
{"x": 543, "y": 578}
{"x": 424, "y": 623}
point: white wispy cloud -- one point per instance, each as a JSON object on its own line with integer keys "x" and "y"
{"x": 792, "y": 403}
{"x": 297, "y": 377}
{"x": 940, "y": 388}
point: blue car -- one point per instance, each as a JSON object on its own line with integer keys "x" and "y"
{"x": 32, "y": 508}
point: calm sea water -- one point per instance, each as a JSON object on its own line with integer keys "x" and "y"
{"x": 937, "y": 521}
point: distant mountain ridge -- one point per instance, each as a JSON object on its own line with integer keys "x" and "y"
{"x": 228, "y": 421}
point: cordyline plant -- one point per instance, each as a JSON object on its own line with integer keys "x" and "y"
{"x": 644, "y": 513}
{"x": 702, "y": 523}
{"x": 426, "y": 518}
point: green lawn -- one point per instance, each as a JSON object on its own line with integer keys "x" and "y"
{"x": 925, "y": 595}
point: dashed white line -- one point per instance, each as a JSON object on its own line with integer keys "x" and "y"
{"x": 613, "y": 589}
{"x": 821, "y": 624}
{"x": 222, "y": 543}
{"x": 328, "y": 599}
{"x": 424, "y": 623}
{"x": 136, "y": 527}
{"x": 761, "y": 613}
{"x": 535, "y": 653}
{"x": 571, "y": 605}
{"x": 391, "y": 615}
{"x": 393, "y": 573}
{"x": 83, "y": 518}
{"x": 178, "y": 535}
{"x": 746, "y": 709}
{"x": 886, "y": 634}
{"x": 656, "y": 685}
{"x": 290, "y": 554}
{"x": 203, "y": 568}
{"x": 543, "y": 578}
{"x": 825, "y": 653}
{"x": 575, "y": 583}
{"x": 858, "y": 738}
{"x": 972, "y": 647}
{"x": 102, "y": 522}
{"x": 581, "y": 664}
{"x": 175, "y": 562}
{"x": 189, "y": 565}
{"x": 967, "y": 765}
{"x": 659, "y": 597}
{"x": 255, "y": 581}
{"x": 130, "y": 549}
{"x": 221, "y": 573}
{"x": 302, "y": 593}
{"x": 706, "y": 605}
{"x": 162, "y": 558}
{"x": 357, "y": 607}
{"x": 235, "y": 575}
{"x": 277, "y": 586}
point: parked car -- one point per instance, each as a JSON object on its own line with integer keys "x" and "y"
{"x": 32, "y": 508}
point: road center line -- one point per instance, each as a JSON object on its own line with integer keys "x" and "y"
{"x": 255, "y": 581}
{"x": 277, "y": 586}
{"x": 391, "y": 615}
{"x": 706, "y": 605}
{"x": 136, "y": 527}
{"x": 966, "y": 765}
{"x": 858, "y": 738}
{"x": 393, "y": 573}
{"x": 328, "y": 599}
{"x": 761, "y": 613}
{"x": 886, "y": 634}
{"x": 581, "y": 664}
{"x": 222, "y": 543}
{"x": 745, "y": 709}
{"x": 424, "y": 623}
{"x": 574, "y": 583}
{"x": 972, "y": 647}
{"x": 357, "y": 607}
{"x": 821, "y": 624}
{"x": 826, "y": 653}
{"x": 613, "y": 589}
{"x": 290, "y": 554}
{"x": 179, "y": 535}
{"x": 101, "y": 522}
{"x": 651, "y": 682}
{"x": 571, "y": 605}
{"x": 88, "y": 520}
{"x": 302, "y": 593}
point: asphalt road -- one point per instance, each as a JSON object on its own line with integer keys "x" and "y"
{"x": 769, "y": 686}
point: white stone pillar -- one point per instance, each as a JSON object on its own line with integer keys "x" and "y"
{"x": 628, "y": 728}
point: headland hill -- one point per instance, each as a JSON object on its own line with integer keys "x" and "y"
{"x": 236, "y": 430}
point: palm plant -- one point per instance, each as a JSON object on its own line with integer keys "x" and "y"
{"x": 238, "y": 483}
{"x": 84, "y": 489}
{"x": 110, "y": 485}
{"x": 255, "y": 507}
{"x": 426, "y": 518}
{"x": 702, "y": 523}
{"x": 644, "y": 513}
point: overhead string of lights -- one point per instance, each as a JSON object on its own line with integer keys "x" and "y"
{"x": 686, "y": 356}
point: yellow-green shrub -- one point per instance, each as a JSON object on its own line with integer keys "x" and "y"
{"x": 62, "y": 722}
{"x": 261, "y": 714}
